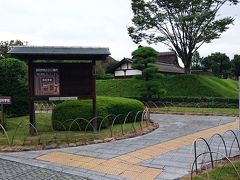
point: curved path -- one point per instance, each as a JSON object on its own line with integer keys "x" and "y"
{"x": 162, "y": 154}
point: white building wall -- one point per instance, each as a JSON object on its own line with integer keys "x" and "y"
{"x": 118, "y": 73}
{"x": 124, "y": 66}
{"x": 133, "y": 72}
{"x": 129, "y": 66}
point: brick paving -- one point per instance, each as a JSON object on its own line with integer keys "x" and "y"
{"x": 162, "y": 154}
{"x": 10, "y": 170}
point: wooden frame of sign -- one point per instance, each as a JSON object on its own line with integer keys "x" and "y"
{"x": 58, "y": 77}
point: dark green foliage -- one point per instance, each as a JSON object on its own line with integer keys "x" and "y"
{"x": 219, "y": 63}
{"x": 5, "y": 46}
{"x": 235, "y": 63}
{"x": 145, "y": 52}
{"x": 83, "y": 109}
{"x": 103, "y": 66}
{"x": 13, "y": 82}
{"x": 143, "y": 57}
{"x": 196, "y": 61}
{"x": 208, "y": 102}
{"x": 182, "y": 25}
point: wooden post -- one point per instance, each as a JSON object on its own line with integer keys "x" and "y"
{"x": 2, "y": 119}
{"x": 94, "y": 95}
{"x": 32, "y": 122}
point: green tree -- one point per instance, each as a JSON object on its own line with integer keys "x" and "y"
{"x": 143, "y": 59}
{"x": 219, "y": 63}
{"x": 196, "y": 61}
{"x": 5, "y": 46}
{"x": 13, "y": 82}
{"x": 235, "y": 63}
{"x": 182, "y": 25}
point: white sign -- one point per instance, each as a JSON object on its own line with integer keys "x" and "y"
{"x": 5, "y": 100}
{"x": 62, "y": 98}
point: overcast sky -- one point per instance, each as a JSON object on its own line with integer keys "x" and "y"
{"x": 101, "y": 23}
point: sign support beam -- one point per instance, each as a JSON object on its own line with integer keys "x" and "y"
{"x": 32, "y": 121}
{"x": 94, "y": 95}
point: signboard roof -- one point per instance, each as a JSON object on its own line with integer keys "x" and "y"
{"x": 59, "y": 53}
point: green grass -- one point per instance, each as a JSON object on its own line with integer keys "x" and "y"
{"x": 175, "y": 85}
{"x": 175, "y": 109}
{"x": 46, "y": 136}
{"x": 223, "y": 173}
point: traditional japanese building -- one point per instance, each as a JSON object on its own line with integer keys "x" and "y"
{"x": 167, "y": 63}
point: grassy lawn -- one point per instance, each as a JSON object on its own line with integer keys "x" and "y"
{"x": 223, "y": 173}
{"x": 18, "y": 131}
{"x": 223, "y": 111}
{"x": 175, "y": 85}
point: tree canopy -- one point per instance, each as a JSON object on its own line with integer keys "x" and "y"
{"x": 13, "y": 82}
{"x": 219, "y": 63}
{"x": 143, "y": 57}
{"x": 236, "y": 66}
{"x": 182, "y": 25}
{"x": 5, "y": 46}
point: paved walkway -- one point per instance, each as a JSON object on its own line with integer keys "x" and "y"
{"x": 162, "y": 154}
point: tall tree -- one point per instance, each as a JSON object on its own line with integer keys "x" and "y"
{"x": 219, "y": 63}
{"x": 182, "y": 25}
{"x": 5, "y": 46}
{"x": 196, "y": 61}
{"x": 236, "y": 66}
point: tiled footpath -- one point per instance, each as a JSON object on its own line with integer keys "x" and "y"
{"x": 162, "y": 154}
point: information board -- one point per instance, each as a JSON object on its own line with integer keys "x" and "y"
{"x": 46, "y": 82}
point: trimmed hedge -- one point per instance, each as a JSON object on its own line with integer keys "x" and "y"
{"x": 213, "y": 102}
{"x": 67, "y": 110}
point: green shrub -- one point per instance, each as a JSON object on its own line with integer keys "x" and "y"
{"x": 13, "y": 82}
{"x": 213, "y": 102}
{"x": 83, "y": 109}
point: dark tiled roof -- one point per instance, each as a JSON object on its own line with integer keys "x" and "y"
{"x": 115, "y": 66}
{"x": 59, "y": 52}
{"x": 168, "y": 68}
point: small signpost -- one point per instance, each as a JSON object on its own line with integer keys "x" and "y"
{"x": 4, "y": 100}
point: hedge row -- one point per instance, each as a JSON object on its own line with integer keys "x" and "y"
{"x": 200, "y": 101}
{"x": 64, "y": 113}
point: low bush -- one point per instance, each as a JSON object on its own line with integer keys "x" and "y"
{"x": 64, "y": 113}
{"x": 213, "y": 102}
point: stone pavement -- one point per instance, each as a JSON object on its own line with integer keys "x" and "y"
{"x": 162, "y": 154}
{"x": 10, "y": 170}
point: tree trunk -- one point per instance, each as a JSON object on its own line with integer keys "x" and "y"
{"x": 187, "y": 64}
{"x": 187, "y": 67}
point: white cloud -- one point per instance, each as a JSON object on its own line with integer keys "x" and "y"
{"x": 88, "y": 23}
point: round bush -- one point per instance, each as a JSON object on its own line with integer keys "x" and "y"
{"x": 64, "y": 113}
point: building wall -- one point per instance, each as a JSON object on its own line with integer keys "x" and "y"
{"x": 131, "y": 72}
{"x": 126, "y": 70}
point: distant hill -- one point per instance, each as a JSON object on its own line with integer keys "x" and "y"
{"x": 101, "y": 66}
{"x": 178, "y": 85}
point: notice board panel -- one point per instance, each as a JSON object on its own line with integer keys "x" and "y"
{"x": 65, "y": 79}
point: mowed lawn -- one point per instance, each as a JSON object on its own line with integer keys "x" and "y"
{"x": 17, "y": 130}
{"x": 175, "y": 85}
